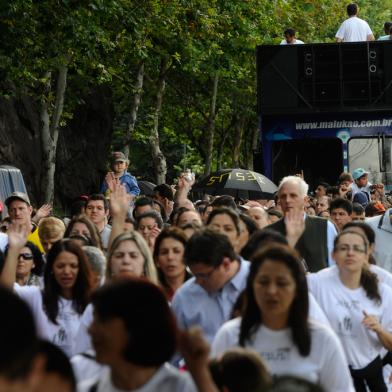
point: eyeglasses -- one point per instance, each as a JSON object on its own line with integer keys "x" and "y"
{"x": 354, "y": 248}
{"x": 204, "y": 276}
{"x": 25, "y": 256}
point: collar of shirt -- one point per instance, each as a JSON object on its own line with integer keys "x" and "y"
{"x": 238, "y": 279}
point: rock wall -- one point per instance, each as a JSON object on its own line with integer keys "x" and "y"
{"x": 82, "y": 149}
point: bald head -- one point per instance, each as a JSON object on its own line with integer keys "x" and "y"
{"x": 259, "y": 215}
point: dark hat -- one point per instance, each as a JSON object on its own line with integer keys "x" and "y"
{"x": 17, "y": 196}
{"x": 119, "y": 156}
{"x": 361, "y": 198}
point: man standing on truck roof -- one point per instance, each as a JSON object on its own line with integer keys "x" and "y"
{"x": 290, "y": 38}
{"x": 354, "y": 29}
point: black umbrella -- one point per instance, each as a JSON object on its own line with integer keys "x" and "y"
{"x": 239, "y": 183}
{"x": 146, "y": 188}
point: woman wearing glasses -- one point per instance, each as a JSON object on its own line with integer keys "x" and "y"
{"x": 358, "y": 308}
{"x": 30, "y": 267}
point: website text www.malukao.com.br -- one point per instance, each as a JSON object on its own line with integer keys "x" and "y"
{"x": 386, "y": 122}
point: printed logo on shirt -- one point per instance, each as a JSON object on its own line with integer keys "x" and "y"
{"x": 349, "y": 305}
{"x": 60, "y": 337}
{"x": 280, "y": 354}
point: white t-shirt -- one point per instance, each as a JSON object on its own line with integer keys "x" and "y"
{"x": 344, "y": 308}
{"x": 353, "y": 29}
{"x": 63, "y": 334}
{"x": 85, "y": 367}
{"x": 166, "y": 379}
{"x": 382, "y": 274}
{"x": 315, "y": 311}
{"x": 296, "y": 42}
{"x": 325, "y": 364}
{"x": 82, "y": 338}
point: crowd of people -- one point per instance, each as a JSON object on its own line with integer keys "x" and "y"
{"x": 353, "y": 29}
{"x": 157, "y": 292}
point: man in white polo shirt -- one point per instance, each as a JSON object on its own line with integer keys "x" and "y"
{"x": 354, "y": 29}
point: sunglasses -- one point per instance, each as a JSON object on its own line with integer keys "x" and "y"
{"x": 26, "y": 256}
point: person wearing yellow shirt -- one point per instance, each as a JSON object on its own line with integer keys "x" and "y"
{"x": 19, "y": 210}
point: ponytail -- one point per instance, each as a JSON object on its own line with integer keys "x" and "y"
{"x": 369, "y": 281}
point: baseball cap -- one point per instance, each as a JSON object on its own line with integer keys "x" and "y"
{"x": 119, "y": 156}
{"x": 361, "y": 198}
{"x": 357, "y": 173}
{"x": 17, "y": 196}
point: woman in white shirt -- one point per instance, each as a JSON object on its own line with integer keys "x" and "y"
{"x": 57, "y": 308}
{"x": 128, "y": 255}
{"x": 275, "y": 324}
{"x": 358, "y": 308}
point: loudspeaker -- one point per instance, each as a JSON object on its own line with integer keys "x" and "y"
{"x": 278, "y": 81}
{"x": 324, "y": 77}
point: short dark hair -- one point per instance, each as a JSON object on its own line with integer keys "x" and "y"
{"x": 290, "y": 32}
{"x": 240, "y": 370}
{"x": 164, "y": 190}
{"x": 344, "y": 204}
{"x": 57, "y": 362}
{"x": 358, "y": 208}
{"x": 345, "y": 176}
{"x": 149, "y": 321}
{"x": 224, "y": 201}
{"x": 150, "y": 214}
{"x": 299, "y": 310}
{"x": 387, "y": 27}
{"x": 162, "y": 210}
{"x": 98, "y": 196}
{"x": 262, "y": 238}
{"x": 226, "y": 211}
{"x": 80, "y": 291}
{"x": 352, "y": 9}
{"x": 18, "y": 337}
{"x": 323, "y": 183}
{"x": 250, "y": 224}
{"x": 141, "y": 202}
{"x": 218, "y": 246}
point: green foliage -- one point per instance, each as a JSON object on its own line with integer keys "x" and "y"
{"x": 104, "y": 41}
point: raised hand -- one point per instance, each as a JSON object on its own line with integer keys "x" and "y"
{"x": 119, "y": 200}
{"x": 17, "y": 235}
{"x": 295, "y": 226}
{"x": 371, "y": 322}
{"x": 111, "y": 180}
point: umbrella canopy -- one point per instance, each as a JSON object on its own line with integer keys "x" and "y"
{"x": 239, "y": 183}
{"x": 146, "y": 188}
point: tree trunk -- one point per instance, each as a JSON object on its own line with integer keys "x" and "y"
{"x": 159, "y": 159}
{"x": 255, "y": 141}
{"x": 134, "y": 107}
{"x": 50, "y": 132}
{"x": 211, "y": 126}
{"x": 238, "y": 135}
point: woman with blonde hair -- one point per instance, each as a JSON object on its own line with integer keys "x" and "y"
{"x": 129, "y": 254}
